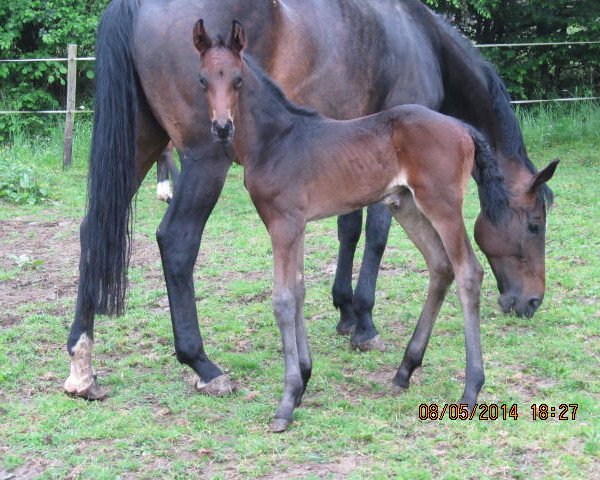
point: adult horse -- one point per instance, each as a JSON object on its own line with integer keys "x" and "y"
{"x": 147, "y": 93}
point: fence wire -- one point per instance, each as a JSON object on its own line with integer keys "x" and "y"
{"x": 480, "y": 46}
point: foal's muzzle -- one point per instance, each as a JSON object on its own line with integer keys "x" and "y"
{"x": 222, "y": 133}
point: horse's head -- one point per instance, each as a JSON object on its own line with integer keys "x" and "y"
{"x": 515, "y": 247}
{"x": 221, "y": 76}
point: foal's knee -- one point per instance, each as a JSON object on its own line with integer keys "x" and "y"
{"x": 472, "y": 278}
{"x": 441, "y": 273}
{"x": 284, "y": 307}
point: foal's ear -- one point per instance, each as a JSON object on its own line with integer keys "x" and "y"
{"x": 237, "y": 37}
{"x": 543, "y": 175}
{"x": 201, "y": 37}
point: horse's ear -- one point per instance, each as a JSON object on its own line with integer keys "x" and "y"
{"x": 543, "y": 175}
{"x": 237, "y": 37}
{"x": 202, "y": 40}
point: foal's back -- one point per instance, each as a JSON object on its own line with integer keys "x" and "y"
{"x": 344, "y": 165}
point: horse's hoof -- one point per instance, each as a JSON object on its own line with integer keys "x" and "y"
{"x": 399, "y": 385}
{"x": 217, "y": 387}
{"x": 279, "y": 425}
{"x": 373, "y": 344}
{"x": 92, "y": 392}
{"x": 345, "y": 328}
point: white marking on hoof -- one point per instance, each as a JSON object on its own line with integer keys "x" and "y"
{"x": 163, "y": 191}
{"x": 82, "y": 381}
{"x": 217, "y": 387}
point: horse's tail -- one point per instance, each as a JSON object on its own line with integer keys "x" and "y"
{"x": 493, "y": 193}
{"x": 112, "y": 179}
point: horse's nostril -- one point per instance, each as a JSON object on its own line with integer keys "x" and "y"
{"x": 534, "y": 303}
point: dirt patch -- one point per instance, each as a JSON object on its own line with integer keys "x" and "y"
{"x": 39, "y": 261}
{"x": 336, "y": 470}
{"x": 32, "y": 468}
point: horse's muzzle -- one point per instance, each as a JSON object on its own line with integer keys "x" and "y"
{"x": 222, "y": 133}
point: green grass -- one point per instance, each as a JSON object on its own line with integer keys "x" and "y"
{"x": 154, "y": 426}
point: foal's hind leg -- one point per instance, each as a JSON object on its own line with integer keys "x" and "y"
{"x": 426, "y": 239}
{"x": 446, "y": 218}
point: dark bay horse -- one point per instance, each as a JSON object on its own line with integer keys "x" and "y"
{"x": 351, "y": 58}
{"x": 300, "y": 166}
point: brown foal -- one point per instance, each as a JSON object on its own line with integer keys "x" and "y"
{"x": 300, "y": 166}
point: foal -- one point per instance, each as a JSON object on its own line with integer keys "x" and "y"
{"x": 300, "y": 166}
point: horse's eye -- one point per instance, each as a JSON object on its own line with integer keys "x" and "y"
{"x": 534, "y": 228}
{"x": 203, "y": 82}
{"x": 237, "y": 83}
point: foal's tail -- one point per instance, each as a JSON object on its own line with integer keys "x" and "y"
{"x": 112, "y": 179}
{"x": 493, "y": 193}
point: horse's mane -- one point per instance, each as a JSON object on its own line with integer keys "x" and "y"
{"x": 275, "y": 91}
{"x": 511, "y": 142}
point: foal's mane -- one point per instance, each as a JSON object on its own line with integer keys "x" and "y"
{"x": 275, "y": 91}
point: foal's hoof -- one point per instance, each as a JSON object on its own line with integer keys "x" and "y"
{"x": 217, "y": 387}
{"x": 93, "y": 391}
{"x": 373, "y": 344}
{"x": 279, "y": 425}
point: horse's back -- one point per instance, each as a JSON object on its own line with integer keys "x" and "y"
{"x": 303, "y": 44}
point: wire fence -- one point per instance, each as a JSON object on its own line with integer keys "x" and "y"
{"x": 480, "y": 46}
{"x": 72, "y": 60}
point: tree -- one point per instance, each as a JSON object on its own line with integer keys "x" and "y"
{"x": 539, "y": 72}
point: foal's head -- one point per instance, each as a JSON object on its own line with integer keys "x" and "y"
{"x": 221, "y": 76}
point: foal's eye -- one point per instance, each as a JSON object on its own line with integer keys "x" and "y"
{"x": 534, "y": 228}
{"x": 237, "y": 83}
{"x": 203, "y": 82}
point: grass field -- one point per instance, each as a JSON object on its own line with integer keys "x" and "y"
{"x": 350, "y": 425}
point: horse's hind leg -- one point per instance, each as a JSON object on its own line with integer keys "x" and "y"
{"x": 424, "y": 236}
{"x": 164, "y": 191}
{"x": 446, "y": 217}
{"x": 204, "y": 169}
{"x": 151, "y": 139}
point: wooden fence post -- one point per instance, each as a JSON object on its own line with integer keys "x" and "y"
{"x": 71, "y": 90}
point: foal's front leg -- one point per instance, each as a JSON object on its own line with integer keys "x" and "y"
{"x": 287, "y": 238}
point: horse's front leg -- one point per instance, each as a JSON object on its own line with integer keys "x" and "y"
{"x": 179, "y": 234}
{"x": 287, "y": 239}
{"x": 349, "y": 230}
{"x": 377, "y": 228}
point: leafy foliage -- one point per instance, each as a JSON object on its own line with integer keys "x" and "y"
{"x": 43, "y": 28}
{"x": 538, "y": 72}
{"x": 18, "y": 185}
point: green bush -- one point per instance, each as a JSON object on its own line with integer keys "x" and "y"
{"x": 18, "y": 185}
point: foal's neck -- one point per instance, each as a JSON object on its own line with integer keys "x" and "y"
{"x": 264, "y": 116}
